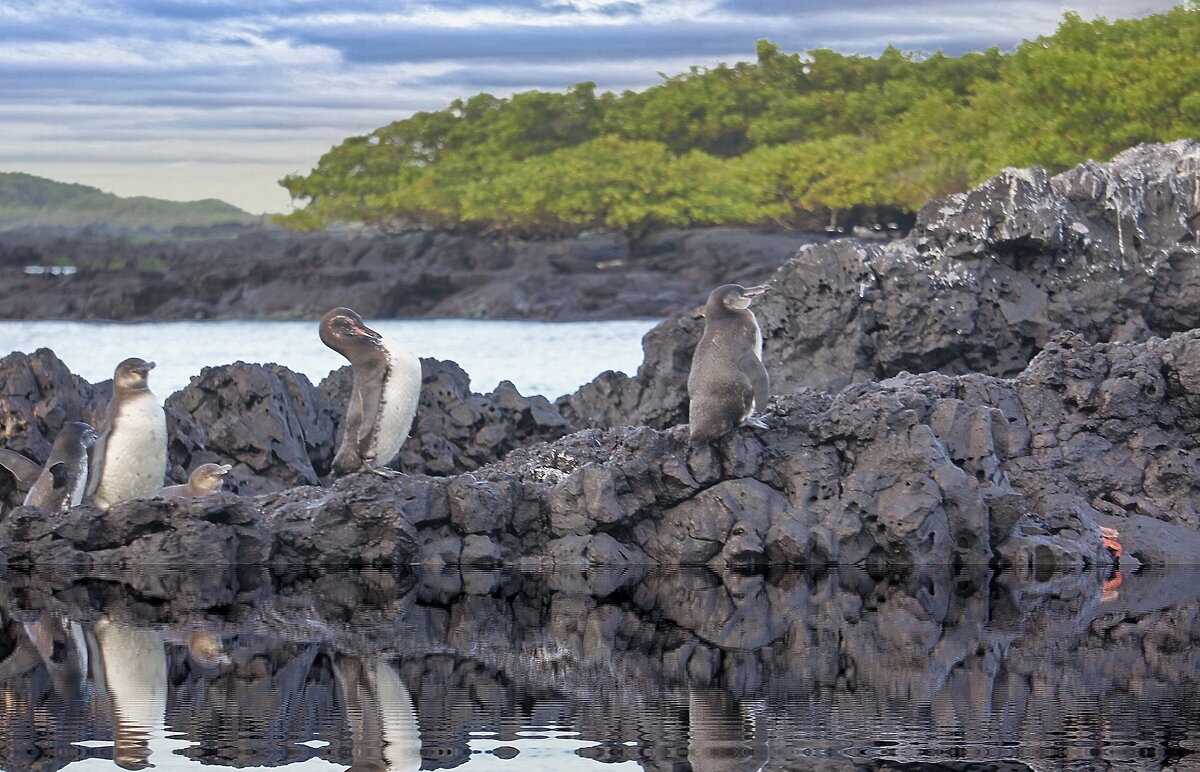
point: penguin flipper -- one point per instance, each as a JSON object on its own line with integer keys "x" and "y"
{"x": 96, "y": 463}
{"x": 760, "y": 382}
{"x": 370, "y": 391}
{"x": 347, "y": 458}
{"x": 96, "y": 466}
{"x": 22, "y": 468}
{"x": 58, "y": 471}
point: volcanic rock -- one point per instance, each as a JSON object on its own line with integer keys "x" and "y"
{"x": 982, "y": 282}
{"x": 270, "y": 274}
{"x": 914, "y": 471}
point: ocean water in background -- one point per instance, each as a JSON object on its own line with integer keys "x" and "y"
{"x": 548, "y": 358}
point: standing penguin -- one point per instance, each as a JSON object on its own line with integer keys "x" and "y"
{"x": 727, "y": 380}
{"x": 383, "y": 401}
{"x": 60, "y": 485}
{"x": 205, "y": 480}
{"x": 130, "y": 458}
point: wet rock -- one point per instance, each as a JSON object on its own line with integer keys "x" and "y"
{"x": 220, "y": 530}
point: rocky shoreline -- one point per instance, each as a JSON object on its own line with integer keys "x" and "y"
{"x": 273, "y": 274}
{"x": 1061, "y": 407}
{"x": 914, "y": 471}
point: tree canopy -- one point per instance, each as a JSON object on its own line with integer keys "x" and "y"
{"x": 773, "y": 140}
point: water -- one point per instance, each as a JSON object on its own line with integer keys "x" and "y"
{"x": 548, "y": 358}
{"x": 603, "y": 669}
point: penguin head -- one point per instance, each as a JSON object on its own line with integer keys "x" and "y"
{"x": 132, "y": 373}
{"x": 79, "y": 432}
{"x": 344, "y": 331}
{"x": 208, "y": 477}
{"x": 734, "y": 296}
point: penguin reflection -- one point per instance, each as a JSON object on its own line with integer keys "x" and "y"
{"x": 383, "y": 724}
{"x": 722, "y": 735}
{"x": 131, "y": 666}
{"x": 60, "y": 644}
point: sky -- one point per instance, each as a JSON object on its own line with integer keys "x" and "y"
{"x": 191, "y": 99}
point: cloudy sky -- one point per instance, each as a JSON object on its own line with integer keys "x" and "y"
{"x": 187, "y": 99}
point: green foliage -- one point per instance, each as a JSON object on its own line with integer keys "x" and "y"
{"x": 29, "y": 201}
{"x": 1093, "y": 89}
{"x": 774, "y": 140}
{"x": 631, "y": 187}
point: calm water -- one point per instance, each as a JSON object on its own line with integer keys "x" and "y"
{"x": 599, "y": 670}
{"x": 549, "y": 358}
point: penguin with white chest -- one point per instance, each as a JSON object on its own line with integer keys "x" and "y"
{"x": 129, "y": 460}
{"x": 383, "y": 400}
{"x": 60, "y": 484}
{"x": 728, "y": 380}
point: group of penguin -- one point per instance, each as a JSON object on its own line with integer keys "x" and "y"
{"x": 726, "y": 384}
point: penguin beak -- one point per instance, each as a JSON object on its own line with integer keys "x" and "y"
{"x": 753, "y": 292}
{"x": 146, "y": 368}
{"x": 223, "y": 469}
{"x": 364, "y": 330}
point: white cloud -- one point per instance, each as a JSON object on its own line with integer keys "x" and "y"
{"x": 154, "y": 96}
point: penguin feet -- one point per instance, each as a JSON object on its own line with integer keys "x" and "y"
{"x": 385, "y": 473}
{"x": 757, "y": 423}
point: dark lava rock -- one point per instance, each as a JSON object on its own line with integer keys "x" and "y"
{"x": 272, "y": 425}
{"x": 917, "y": 470}
{"x": 269, "y": 423}
{"x": 265, "y": 274}
{"x": 983, "y": 281}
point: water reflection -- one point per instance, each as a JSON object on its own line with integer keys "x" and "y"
{"x": 671, "y": 670}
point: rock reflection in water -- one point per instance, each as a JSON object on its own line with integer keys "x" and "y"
{"x": 663, "y": 670}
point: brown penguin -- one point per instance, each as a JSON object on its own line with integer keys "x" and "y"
{"x": 727, "y": 381}
{"x": 205, "y": 480}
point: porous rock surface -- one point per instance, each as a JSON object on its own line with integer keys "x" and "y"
{"x": 982, "y": 282}
{"x": 916, "y": 470}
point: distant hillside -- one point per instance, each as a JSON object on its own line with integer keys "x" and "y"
{"x": 27, "y": 201}
{"x": 793, "y": 139}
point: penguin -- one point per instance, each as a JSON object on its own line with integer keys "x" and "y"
{"x": 129, "y": 460}
{"x": 385, "y": 735}
{"x": 60, "y": 485}
{"x": 727, "y": 380}
{"x": 204, "y": 480}
{"x": 724, "y": 735}
{"x": 383, "y": 401}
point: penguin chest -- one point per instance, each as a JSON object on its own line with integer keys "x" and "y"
{"x": 135, "y": 457}
{"x": 398, "y": 404}
{"x": 78, "y": 483}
